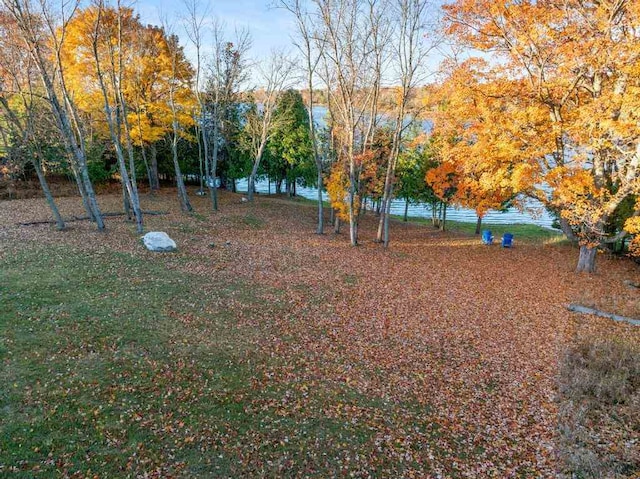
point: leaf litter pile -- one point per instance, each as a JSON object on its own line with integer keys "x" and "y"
{"x": 262, "y": 349}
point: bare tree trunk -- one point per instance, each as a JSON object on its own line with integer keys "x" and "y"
{"x": 146, "y": 164}
{"x": 407, "y": 56}
{"x": 143, "y": 152}
{"x": 250, "y": 187}
{"x": 336, "y": 225}
{"x": 567, "y": 230}
{"x": 195, "y": 20}
{"x": 76, "y": 153}
{"x": 64, "y": 111}
{"x": 185, "y": 205}
{"x": 443, "y": 225}
{"x": 154, "y": 180}
{"x": 174, "y": 80}
{"x": 478, "y": 224}
{"x": 47, "y": 194}
{"x": 353, "y": 178}
{"x": 251, "y": 183}
{"x": 25, "y": 130}
{"x": 126, "y": 204}
{"x": 129, "y": 188}
{"x": 201, "y": 165}
{"x": 406, "y": 210}
{"x": 387, "y": 214}
{"x": 135, "y": 197}
{"x": 587, "y": 259}
{"x": 81, "y": 191}
{"x": 213, "y": 188}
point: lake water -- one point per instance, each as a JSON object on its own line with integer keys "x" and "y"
{"x": 534, "y": 212}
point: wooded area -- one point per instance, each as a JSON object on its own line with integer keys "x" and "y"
{"x": 549, "y": 111}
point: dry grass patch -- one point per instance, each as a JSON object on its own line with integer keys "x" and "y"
{"x": 600, "y": 408}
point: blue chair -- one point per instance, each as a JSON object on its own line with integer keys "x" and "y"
{"x": 487, "y": 237}
{"x": 507, "y": 240}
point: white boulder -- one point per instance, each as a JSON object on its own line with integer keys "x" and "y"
{"x": 159, "y": 241}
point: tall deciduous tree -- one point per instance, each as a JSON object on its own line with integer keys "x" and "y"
{"x": 470, "y": 119}
{"x": 147, "y": 91}
{"x": 353, "y": 53}
{"x": 227, "y": 72}
{"x": 195, "y": 23}
{"x": 108, "y": 50}
{"x": 410, "y": 50}
{"x": 181, "y": 103}
{"x": 261, "y": 121}
{"x": 42, "y": 30}
{"x": 577, "y": 62}
{"x": 310, "y": 48}
{"x": 23, "y": 113}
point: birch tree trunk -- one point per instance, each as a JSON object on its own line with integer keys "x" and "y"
{"x": 32, "y": 33}
{"x": 185, "y": 204}
{"x": 154, "y": 180}
{"x": 409, "y": 55}
{"x": 130, "y": 190}
{"x": 47, "y": 194}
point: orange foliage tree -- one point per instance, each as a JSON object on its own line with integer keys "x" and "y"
{"x": 469, "y": 124}
{"x": 443, "y": 180}
{"x": 564, "y": 94}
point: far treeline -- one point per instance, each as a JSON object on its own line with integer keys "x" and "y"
{"x": 550, "y": 109}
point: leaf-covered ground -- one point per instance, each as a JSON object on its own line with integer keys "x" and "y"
{"x": 262, "y": 349}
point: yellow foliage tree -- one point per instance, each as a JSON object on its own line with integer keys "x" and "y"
{"x": 559, "y": 105}
{"x": 148, "y": 65}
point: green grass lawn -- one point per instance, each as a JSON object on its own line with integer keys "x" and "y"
{"x": 522, "y": 232}
{"x": 272, "y": 356}
{"x": 119, "y": 366}
{"x": 107, "y": 361}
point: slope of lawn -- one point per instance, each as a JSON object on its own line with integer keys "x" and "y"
{"x": 259, "y": 349}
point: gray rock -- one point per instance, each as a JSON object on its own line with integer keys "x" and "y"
{"x": 631, "y": 284}
{"x": 158, "y": 241}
